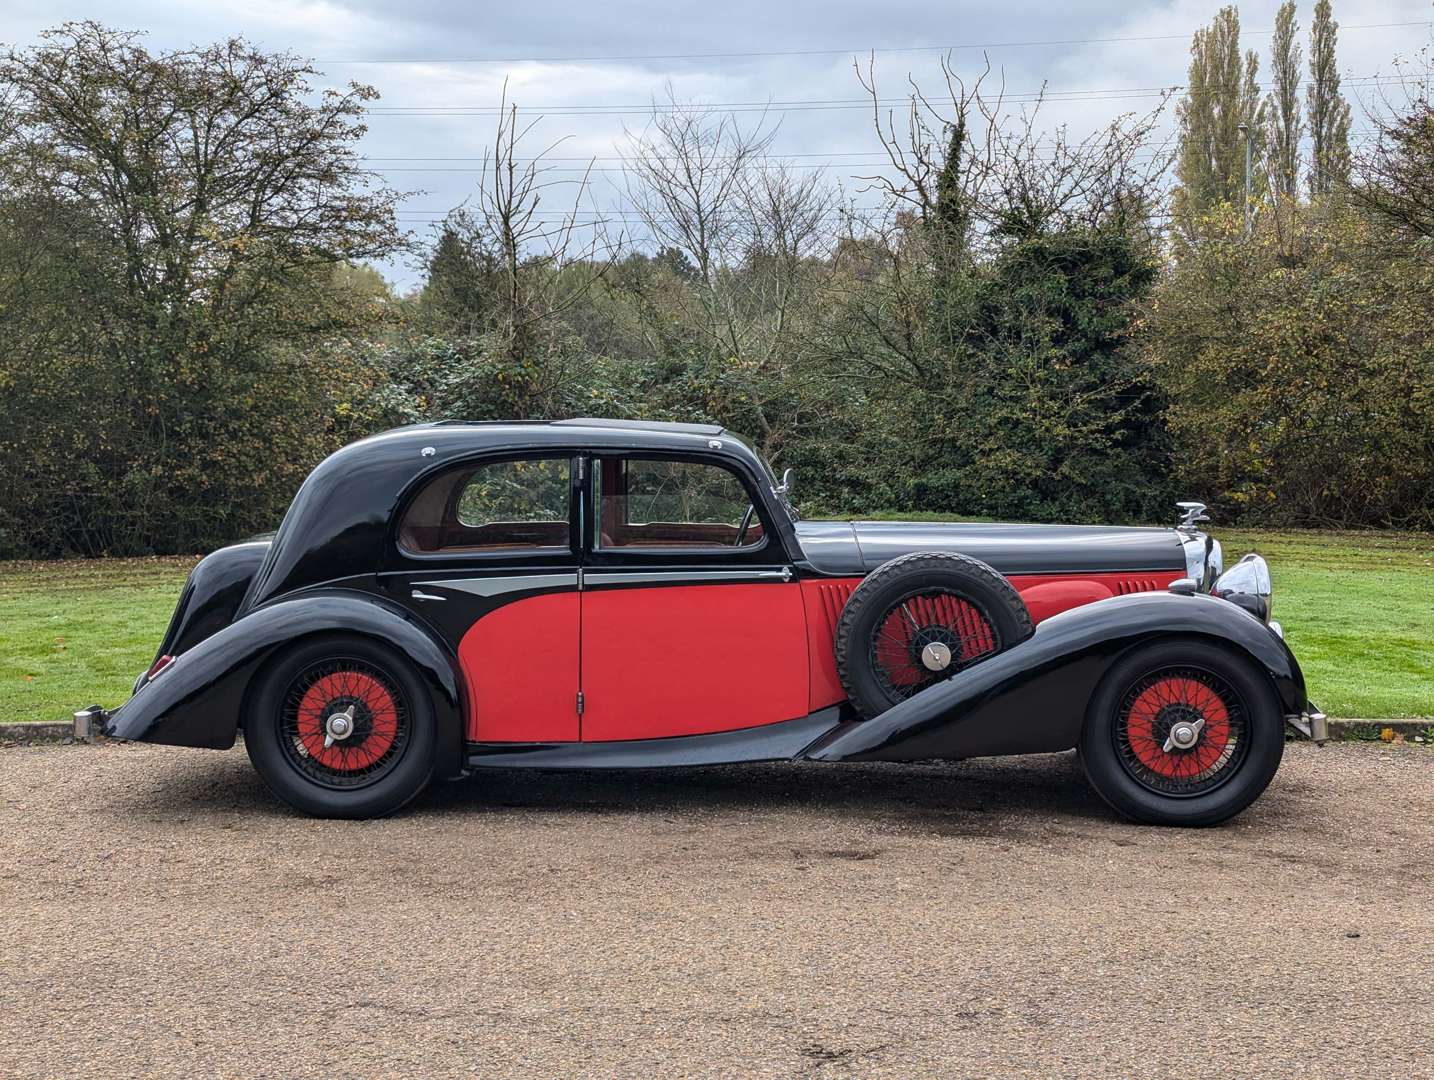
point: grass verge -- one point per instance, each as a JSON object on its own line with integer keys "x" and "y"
{"x": 77, "y": 632}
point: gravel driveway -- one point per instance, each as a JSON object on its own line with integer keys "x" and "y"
{"x": 160, "y": 913}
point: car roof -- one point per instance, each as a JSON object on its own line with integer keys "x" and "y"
{"x": 642, "y": 425}
{"x": 575, "y": 429}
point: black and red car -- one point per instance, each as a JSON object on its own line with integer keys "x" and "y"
{"x": 449, "y": 597}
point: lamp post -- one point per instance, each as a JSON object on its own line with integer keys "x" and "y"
{"x": 1249, "y": 168}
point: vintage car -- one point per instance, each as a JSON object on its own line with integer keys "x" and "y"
{"x": 586, "y": 594}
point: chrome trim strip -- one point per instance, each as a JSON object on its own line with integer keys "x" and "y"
{"x": 497, "y": 586}
{"x": 593, "y": 579}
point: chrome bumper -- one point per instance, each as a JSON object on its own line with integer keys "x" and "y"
{"x": 1312, "y": 724}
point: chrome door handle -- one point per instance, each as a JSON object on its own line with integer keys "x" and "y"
{"x": 420, "y": 595}
{"x": 785, "y": 573}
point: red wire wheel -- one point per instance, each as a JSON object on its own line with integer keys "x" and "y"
{"x": 1181, "y": 731}
{"x": 927, "y": 636}
{"x": 343, "y": 723}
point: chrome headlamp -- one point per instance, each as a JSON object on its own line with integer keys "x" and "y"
{"x": 1247, "y": 585}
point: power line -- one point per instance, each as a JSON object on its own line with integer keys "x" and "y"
{"x": 882, "y": 162}
{"x": 608, "y": 58}
{"x": 796, "y": 159}
{"x": 827, "y": 104}
{"x": 620, "y": 157}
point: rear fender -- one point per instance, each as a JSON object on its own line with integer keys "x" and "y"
{"x": 211, "y": 596}
{"x": 1032, "y": 698}
{"x": 199, "y": 697}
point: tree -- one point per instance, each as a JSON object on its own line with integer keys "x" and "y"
{"x": 508, "y": 281}
{"x": 1222, "y": 93}
{"x": 987, "y": 315}
{"x": 1328, "y": 111}
{"x": 1048, "y": 415}
{"x": 742, "y": 242}
{"x": 1284, "y": 126}
{"x": 460, "y": 285}
{"x": 213, "y": 173}
{"x": 179, "y": 218}
{"x": 1299, "y": 378}
{"x": 1395, "y": 178}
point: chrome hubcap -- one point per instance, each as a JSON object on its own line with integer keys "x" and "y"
{"x": 936, "y": 656}
{"x": 339, "y": 726}
{"x": 1184, "y": 735}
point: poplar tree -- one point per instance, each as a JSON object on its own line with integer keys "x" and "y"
{"x": 1328, "y": 110}
{"x": 1222, "y": 93}
{"x": 1284, "y": 126}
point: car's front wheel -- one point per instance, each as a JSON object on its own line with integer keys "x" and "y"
{"x": 341, "y": 727}
{"x": 1182, "y": 733}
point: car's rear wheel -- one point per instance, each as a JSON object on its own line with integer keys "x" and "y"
{"x": 341, "y": 727}
{"x": 1182, "y": 733}
{"x": 919, "y": 619}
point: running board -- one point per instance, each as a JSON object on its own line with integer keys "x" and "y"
{"x": 782, "y": 741}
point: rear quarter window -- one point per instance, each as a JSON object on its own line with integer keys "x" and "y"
{"x": 516, "y": 505}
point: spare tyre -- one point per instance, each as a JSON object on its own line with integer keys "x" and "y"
{"x": 919, "y": 619}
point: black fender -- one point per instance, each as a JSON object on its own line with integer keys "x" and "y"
{"x": 198, "y": 699}
{"x": 1032, "y": 698}
{"x": 211, "y": 596}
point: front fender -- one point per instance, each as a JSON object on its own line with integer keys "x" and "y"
{"x": 198, "y": 699}
{"x": 1032, "y": 698}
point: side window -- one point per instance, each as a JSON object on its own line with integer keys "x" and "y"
{"x": 517, "y": 506}
{"x": 673, "y": 504}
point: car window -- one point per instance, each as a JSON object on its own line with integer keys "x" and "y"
{"x": 646, "y": 503}
{"x": 498, "y": 506}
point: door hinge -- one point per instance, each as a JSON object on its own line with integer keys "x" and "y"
{"x": 580, "y": 702}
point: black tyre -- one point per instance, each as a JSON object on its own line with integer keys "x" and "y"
{"x": 919, "y": 619}
{"x": 1182, "y": 733}
{"x": 341, "y": 727}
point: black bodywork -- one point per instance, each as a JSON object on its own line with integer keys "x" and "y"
{"x": 334, "y": 564}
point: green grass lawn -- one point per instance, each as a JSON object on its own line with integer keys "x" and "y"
{"x": 77, "y": 632}
{"x": 1358, "y": 609}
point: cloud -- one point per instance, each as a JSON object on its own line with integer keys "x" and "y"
{"x": 434, "y": 90}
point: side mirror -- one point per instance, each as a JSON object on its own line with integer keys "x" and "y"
{"x": 789, "y": 476}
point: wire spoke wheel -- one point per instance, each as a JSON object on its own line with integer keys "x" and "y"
{"x": 343, "y": 723}
{"x": 928, "y": 635}
{"x": 1181, "y": 731}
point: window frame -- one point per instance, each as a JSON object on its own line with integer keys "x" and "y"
{"x": 531, "y": 556}
{"x": 765, "y": 553}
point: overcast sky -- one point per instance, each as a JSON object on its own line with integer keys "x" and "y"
{"x": 557, "y": 54}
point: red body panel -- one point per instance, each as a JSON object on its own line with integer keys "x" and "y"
{"x": 692, "y": 659}
{"x": 686, "y": 660}
{"x": 824, "y": 601}
{"x": 1045, "y": 595}
{"x": 1050, "y": 594}
{"x": 521, "y": 666}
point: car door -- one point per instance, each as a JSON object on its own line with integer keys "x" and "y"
{"x": 691, "y": 620}
{"x": 490, "y": 553}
